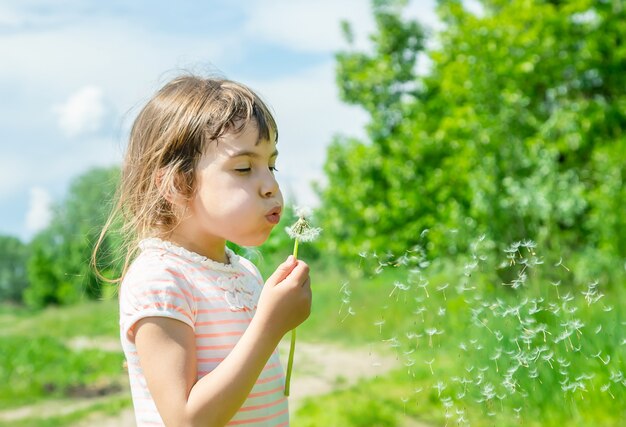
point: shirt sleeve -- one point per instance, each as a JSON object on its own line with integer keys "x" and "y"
{"x": 154, "y": 290}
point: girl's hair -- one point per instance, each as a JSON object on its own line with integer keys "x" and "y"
{"x": 167, "y": 138}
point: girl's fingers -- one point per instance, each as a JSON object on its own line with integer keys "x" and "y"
{"x": 282, "y": 271}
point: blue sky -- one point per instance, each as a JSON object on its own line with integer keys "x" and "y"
{"x": 74, "y": 74}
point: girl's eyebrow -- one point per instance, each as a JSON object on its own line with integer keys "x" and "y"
{"x": 251, "y": 154}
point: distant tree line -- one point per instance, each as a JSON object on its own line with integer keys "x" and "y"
{"x": 53, "y": 268}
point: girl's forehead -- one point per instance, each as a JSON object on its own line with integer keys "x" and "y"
{"x": 246, "y": 141}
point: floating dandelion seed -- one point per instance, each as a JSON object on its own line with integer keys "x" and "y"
{"x": 351, "y": 312}
{"x": 556, "y": 286}
{"x": 430, "y": 332}
{"x": 430, "y": 365}
{"x": 300, "y": 231}
{"x": 560, "y": 264}
{"x": 442, "y": 289}
{"x": 606, "y": 388}
{"x": 440, "y": 386}
{"x": 380, "y": 324}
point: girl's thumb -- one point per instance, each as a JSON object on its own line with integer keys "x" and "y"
{"x": 282, "y": 271}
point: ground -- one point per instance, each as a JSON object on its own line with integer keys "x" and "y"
{"x": 319, "y": 369}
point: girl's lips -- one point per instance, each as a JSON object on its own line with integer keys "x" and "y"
{"x": 273, "y": 218}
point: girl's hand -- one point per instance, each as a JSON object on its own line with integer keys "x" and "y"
{"x": 285, "y": 301}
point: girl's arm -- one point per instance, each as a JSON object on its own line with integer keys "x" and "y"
{"x": 167, "y": 354}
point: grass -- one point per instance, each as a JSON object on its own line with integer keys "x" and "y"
{"x": 474, "y": 352}
{"x": 477, "y": 352}
{"x": 37, "y": 363}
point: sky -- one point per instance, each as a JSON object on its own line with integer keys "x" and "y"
{"x": 75, "y": 73}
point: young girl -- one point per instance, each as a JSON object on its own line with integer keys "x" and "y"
{"x": 198, "y": 327}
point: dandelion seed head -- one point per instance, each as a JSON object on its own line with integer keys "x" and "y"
{"x": 301, "y": 229}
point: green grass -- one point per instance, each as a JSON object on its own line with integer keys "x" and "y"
{"x": 88, "y": 318}
{"x": 36, "y": 362}
{"x": 579, "y": 382}
{"x": 582, "y": 383}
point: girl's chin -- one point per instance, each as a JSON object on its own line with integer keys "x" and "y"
{"x": 252, "y": 241}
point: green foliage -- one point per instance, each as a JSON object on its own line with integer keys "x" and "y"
{"x": 540, "y": 349}
{"x": 59, "y": 269}
{"x": 13, "y": 275}
{"x": 516, "y": 131}
{"x": 36, "y": 367}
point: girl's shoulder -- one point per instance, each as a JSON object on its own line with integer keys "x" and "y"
{"x": 155, "y": 264}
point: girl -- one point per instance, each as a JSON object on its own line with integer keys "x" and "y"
{"x": 198, "y": 328}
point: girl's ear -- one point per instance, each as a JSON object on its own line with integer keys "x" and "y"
{"x": 172, "y": 185}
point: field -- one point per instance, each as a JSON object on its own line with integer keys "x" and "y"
{"x": 465, "y": 349}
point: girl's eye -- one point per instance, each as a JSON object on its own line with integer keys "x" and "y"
{"x": 273, "y": 169}
{"x": 243, "y": 170}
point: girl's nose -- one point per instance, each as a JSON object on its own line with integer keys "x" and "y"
{"x": 269, "y": 186}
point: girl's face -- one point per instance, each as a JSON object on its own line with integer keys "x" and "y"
{"x": 237, "y": 197}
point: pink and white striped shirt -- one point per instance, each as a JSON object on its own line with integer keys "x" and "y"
{"x": 217, "y": 301}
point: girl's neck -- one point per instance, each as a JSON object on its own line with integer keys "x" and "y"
{"x": 213, "y": 250}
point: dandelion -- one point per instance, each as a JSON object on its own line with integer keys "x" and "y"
{"x": 604, "y": 361}
{"x": 400, "y": 287}
{"x": 380, "y": 324}
{"x": 548, "y": 358}
{"x": 496, "y": 356}
{"x": 440, "y": 386}
{"x": 430, "y": 365}
{"x": 430, "y": 332}
{"x": 556, "y": 286}
{"x": 442, "y": 289}
{"x": 606, "y": 388}
{"x": 560, "y": 264}
{"x": 351, "y": 312}
{"x": 420, "y": 311}
{"x": 423, "y": 284}
{"x": 300, "y": 231}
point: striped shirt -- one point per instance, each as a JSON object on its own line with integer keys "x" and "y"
{"x": 217, "y": 301}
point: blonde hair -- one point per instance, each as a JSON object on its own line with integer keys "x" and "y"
{"x": 167, "y": 138}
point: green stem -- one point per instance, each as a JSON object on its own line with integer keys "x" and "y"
{"x": 292, "y": 346}
{"x": 292, "y": 350}
{"x": 295, "y": 248}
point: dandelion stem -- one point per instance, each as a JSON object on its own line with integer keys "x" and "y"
{"x": 292, "y": 350}
{"x": 295, "y": 248}
{"x": 292, "y": 345}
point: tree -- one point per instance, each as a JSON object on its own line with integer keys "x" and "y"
{"x": 515, "y": 132}
{"x": 13, "y": 276}
{"x": 364, "y": 200}
{"x": 59, "y": 269}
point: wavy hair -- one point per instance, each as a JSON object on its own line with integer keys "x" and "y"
{"x": 167, "y": 139}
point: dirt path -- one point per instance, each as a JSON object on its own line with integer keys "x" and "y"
{"x": 319, "y": 368}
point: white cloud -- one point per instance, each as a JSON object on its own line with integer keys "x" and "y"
{"x": 314, "y": 26}
{"x": 39, "y": 210}
{"x": 83, "y": 112}
{"x": 305, "y": 25}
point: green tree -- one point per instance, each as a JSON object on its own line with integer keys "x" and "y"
{"x": 13, "y": 276}
{"x": 364, "y": 201}
{"x": 516, "y": 131}
{"x": 59, "y": 269}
